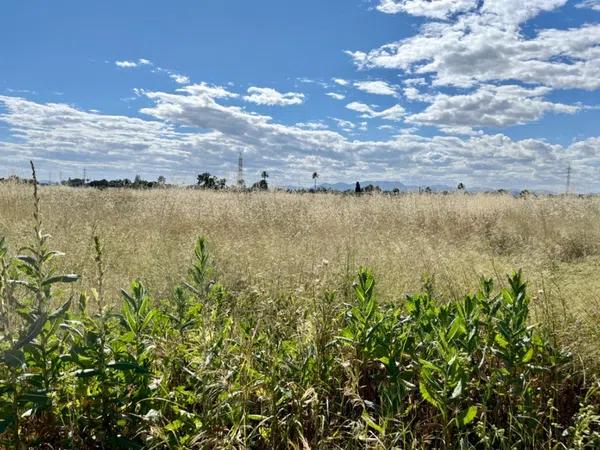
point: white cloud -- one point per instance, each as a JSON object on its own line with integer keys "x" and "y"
{"x": 376, "y": 87}
{"x": 206, "y": 90}
{"x": 414, "y": 94}
{"x": 126, "y": 64}
{"x": 341, "y": 81}
{"x": 487, "y": 44}
{"x": 395, "y": 113}
{"x": 59, "y": 136}
{"x": 344, "y": 125}
{"x": 312, "y": 125}
{"x": 336, "y": 96}
{"x": 590, "y": 4}
{"x": 179, "y": 79}
{"x": 438, "y": 9}
{"x": 271, "y": 97}
{"x": 489, "y": 106}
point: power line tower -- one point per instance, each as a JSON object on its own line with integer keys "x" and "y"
{"x": 568, "y": 180}
{"x": 240, "y": 175}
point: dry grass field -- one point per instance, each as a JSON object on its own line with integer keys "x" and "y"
{"x": 298, "y": 321}
{"x": 279, "y": 244}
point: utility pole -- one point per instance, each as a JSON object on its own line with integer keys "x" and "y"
{"x": 84, "y": 175}
{"x": 240, "y": 176}
{"x": 568, "y": 179}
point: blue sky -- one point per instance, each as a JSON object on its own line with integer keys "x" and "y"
{"x": 498, "y": 93}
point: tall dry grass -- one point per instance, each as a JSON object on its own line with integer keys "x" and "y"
{"x": 278, "y": 243}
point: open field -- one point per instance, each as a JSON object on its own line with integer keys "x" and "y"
{"x": 284, "y": 351}
{"x": 278, "y": 243}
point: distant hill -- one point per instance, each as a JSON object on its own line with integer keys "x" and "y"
{"x": 385, "y": 186}
{"x": 391, "y": 185}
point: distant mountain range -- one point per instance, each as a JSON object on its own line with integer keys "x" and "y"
{"x": 385, "y": 186}
{"x": 391, "y": 185}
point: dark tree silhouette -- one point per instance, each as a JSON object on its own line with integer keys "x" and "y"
{"x": 208, "y": 181}
{"x": 315, "y": 175}
{"x": 357, "y": 189}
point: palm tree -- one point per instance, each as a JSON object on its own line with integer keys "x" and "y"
{"x": 315, "y": 175}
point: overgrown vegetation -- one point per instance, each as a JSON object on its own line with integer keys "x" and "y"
{"x": 209, "y": 366}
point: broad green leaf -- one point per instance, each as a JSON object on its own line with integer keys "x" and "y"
{"x": 14, "y": 358}
{"x": 86, "y": 373}
{"x": 70, "y": 278}
{"x": 500, "y": 340}
{"x": 38, "y": 398}
{"x": 34, "y": 329}
{"x": 527, "y": 356}
{"x": 126, "y": 365}
{"x": 60, "y": 310}
{"x": 467, "y": 416}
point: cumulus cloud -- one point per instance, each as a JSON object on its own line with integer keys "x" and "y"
{"x": 336, "y": 96}
{"x": 376, "y": 87}
{"x": 476, "y": 67}
{"x": 489, "y": 106}
{"x": 394, "y": 113}
{"x": 64, "y": 137}
{"x": 209, "y": 91}
{"x": 126, "y": 64}
{"x": 271, "y": 97}
{"x": 589, "y": 4}
{"x": 341, "y": 81}
{"x": 438, "y": 9}
{"x": 312, "y": 125}
{"x": 487, "y": 45}
{"x": 180, "y": 79}
{"x": 60, "y": 136}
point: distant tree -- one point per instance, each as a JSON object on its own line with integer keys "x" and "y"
{"x": 75, "y": 182}
{"x": 207, "y": 181}
{"x": 221, "y": 183}
{"x": 261, "y": 185}
{"x": 99, "y": 184}
{"x": 264, "y": 175}
{"x": 315, "y": 175}
{"x": 461, "y": 187}
{"x": 357, "y": 188}
{"x": 161, "y": 180}
{"x": 371, "y": 188}
{"x": 428, "y": 190}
